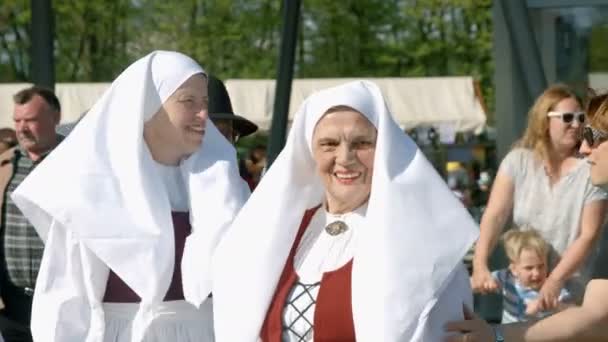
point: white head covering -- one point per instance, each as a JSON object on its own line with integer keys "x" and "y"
{"x": 101, "y": 184}
{"x": 416, "y": 232}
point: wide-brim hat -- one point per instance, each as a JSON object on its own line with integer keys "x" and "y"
{"x": 220, "y": 107}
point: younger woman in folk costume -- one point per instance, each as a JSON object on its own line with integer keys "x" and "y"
{"x": 356, "y": 236}
{"x": 131, "y": 206}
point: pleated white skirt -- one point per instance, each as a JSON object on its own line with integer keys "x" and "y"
{"x": 175, "y": 321}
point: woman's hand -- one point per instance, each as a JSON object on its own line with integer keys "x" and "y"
{"x": 533, "y": 307}
{"x": 549, "y": 294}
{"x": 483, "y": 282}
{"x": 472, "y": 329}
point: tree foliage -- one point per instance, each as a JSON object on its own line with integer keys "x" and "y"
{"x": 598, "y": 50}
{"x": 14, "y": 40}
{"x": 95, "y": 40}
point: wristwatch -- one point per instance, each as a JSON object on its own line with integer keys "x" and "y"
{"x": 498, "y": 337}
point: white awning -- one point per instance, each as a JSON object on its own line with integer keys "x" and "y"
{"x": 598, "y": 81}
{"x": 438, "y": 101}
{"x": 450, "y": 103}
{"x": 75, "y": 98}
{"x": 7, "y": 90}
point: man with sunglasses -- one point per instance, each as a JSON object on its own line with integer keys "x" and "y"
{"x": 588, "y": 322}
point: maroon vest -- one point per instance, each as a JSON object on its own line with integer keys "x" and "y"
{"x": 333, "y": 319}
{"x": 119, "y": 292}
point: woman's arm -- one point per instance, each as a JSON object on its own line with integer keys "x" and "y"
{"x": 575, "y": 255}
{"x": 500, "y": 206}
{"x": 585, "y": 323}
{"x": 578, "y": 324}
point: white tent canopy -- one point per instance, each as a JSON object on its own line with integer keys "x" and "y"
{"x": 447, "y": 102}
{"x": 599, "y": 81}
{"x": 75, "y": 98}
{"x": 439, "y": 101}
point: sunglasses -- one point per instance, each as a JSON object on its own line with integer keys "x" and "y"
{"x": 568, "y": 117}
{"x": 593, "y": 136}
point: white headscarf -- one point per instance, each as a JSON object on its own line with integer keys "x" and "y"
{"x": 101, "y": 185}
{"x": 416, "y": 232}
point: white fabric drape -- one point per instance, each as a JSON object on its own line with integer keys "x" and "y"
{"x": 415, "y": 236}
{"x": 178, "y": 321}
{"x": 99, "y": 203}
{"x": 319, "y": 252}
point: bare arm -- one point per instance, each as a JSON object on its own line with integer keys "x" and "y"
{"x": 578, "y": 324}
{"x": 574, "y": 256}
{"x": 494, "y": 217}
{"x": 493, "y": 221}
{"x": 585, "y": 323}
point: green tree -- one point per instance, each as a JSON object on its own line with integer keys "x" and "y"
{"x": 95, "y": 40}
{"x": 598, "y": 50}
{"x": 380, "y": 38}
{"x": 92, "y": 39}
{"x": 14, "y": 40}
{"x": 344, "y": 38}
{"x": 229, "y": 38}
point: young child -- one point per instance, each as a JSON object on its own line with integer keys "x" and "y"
{"x": 522, "y": 280}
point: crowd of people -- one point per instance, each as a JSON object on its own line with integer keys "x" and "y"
{"x": 587, "y": 320}
{"x": 142, "y": 225}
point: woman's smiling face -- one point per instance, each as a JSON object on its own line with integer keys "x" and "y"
{"x": 344, "y": 145}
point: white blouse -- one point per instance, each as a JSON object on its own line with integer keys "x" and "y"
{"x": 175, "y": 186}
{"x": 318, "y": 253}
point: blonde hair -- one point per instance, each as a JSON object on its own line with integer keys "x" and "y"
{"x": 536, "y": 137}
{"x": 515, "y": 241}
{"x": 597, "y": 110}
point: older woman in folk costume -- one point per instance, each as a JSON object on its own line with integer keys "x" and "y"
{"x": 356, "y": 236}
{"x": 131, "y": 206}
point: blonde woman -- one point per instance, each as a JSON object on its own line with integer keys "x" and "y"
{"x": 541, "y": 183}
{"x": 584, "y": 323}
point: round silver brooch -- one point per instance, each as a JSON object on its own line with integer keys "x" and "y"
{"x": 336, "y": 228}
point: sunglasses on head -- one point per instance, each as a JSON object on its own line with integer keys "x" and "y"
{"x": 593, "y": 136}
{"x": 568, "y": 117}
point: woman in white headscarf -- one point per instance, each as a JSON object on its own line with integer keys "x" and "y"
{"x": 131, "y": 205}
{"x": 351, "y": 235}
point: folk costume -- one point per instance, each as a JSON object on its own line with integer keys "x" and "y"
{"x": 115, "y": 234}
{"x": 388, "y": 271}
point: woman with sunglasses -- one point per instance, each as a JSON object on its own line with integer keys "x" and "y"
{"x": 541, "y": 183}
{"x": 587, "y": 322}
{"x": 593, "y": 138}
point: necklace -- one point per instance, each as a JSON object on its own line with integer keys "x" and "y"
{"x": 336, "y": 228}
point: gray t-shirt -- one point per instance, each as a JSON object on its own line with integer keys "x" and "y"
{"x": 555, "y": 211}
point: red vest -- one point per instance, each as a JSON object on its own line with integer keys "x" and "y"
{"x": 333, "y": 318}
